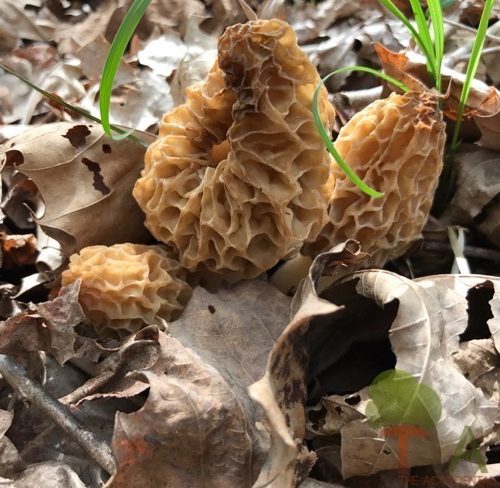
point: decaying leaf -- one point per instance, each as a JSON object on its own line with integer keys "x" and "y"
{"x": 282, "y": 391}
{"x": 85, "y": 180}
{"x": 192, "y": 430}
{"x": 478, "y": 187}
{"x": 10, "y": 461}
{"x": 49, "y": 327}
{"x": 367, "y": 323}
{"x": 230, "y": 333}
{"x": 54, "y": 474}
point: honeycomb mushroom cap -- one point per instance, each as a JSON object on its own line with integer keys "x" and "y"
{"x": 125, "y": 286}
{"x": 233, "y": 182}
{"x": 396, "y": 146}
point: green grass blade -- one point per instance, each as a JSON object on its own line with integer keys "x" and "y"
{"x": 425, "y": 35}
{"x": 475, "y": 57}
{"x": 436, "y": 15}
{"x": 73, "y": 108}
{"x": 389, "y": 5}
{"x": 115, "y": 54}
{"x": 326, "y": 137}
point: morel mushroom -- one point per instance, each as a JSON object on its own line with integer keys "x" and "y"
{"x": 396, "y": 145}
{"x": 233, "y": 182}
{"x": 125, "y": 286}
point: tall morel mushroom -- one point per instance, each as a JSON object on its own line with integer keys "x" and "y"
{"x": 125, "y": 286}
{"x": 396, "y": 145}
{"x": 234, "y": 182}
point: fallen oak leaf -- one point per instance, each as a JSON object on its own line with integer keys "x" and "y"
{"x": 85, "y": 180}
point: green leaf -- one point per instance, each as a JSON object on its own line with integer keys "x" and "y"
{"x": 417, "y": 36}
{"x": 397, "y": 398}
{"x": 326, "y": 137}
{"x": 115, "y": 54}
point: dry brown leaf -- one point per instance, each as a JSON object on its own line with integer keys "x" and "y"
{"x": 53, "y": 474}
{"x": 85, "y": 180}
{"x": 113, "y": 378}
{"x": 17, "y": 250}
{"x": 49, "y": 327}
{"x": 364, "y": 324}
{"x": 234, "y": 329}
{"x": 10, "y": 461}
{"x": 26, "y": 23}
{"x": 71, "y": 37}
{"x": 192, "y": 430}
{"x": 282, "y": 391}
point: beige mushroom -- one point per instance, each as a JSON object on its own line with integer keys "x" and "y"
{"x": 396, "y": 146}
{"x": 234, "y": 181}
{"x": 126, "y": 286}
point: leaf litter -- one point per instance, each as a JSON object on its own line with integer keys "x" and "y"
{"x": 247, "y": 387}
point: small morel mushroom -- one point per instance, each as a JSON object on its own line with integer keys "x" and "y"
{"x": 234, "y": 181}
{"x": 396, "y": 146}
{"x": 125, "y": 286}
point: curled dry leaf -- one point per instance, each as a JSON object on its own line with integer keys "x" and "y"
{"x": 192, "y": 430}
{"x": 282, "y": 391}
{"x": 371, "y": 322}
{"x": 85, "y": 180}
{"x": 49, "y": 327}
{"x": 113, "y": 378}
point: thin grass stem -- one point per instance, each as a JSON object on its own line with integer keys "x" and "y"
{"x": 326, "y": 137}
{"x": 74, "y": 108}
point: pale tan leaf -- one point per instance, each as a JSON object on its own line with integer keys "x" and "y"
{"x": 85, "y": 180}
{"x": 364, "y": 324}
{"x": 282, "y": 390}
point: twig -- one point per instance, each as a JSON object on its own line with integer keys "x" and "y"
{"x": 458, "y": 25}
{"x": 470, "y": 251}
{"x": 99, "y": 451}
{"x": 488, "y": 50}
{"x": 452, "y": 59}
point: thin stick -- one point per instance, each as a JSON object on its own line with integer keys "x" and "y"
{"x": 99, "y": 451}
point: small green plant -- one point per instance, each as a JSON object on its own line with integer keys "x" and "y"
{"x": 115, "y": 54}
{"x": 429, "y": 37}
